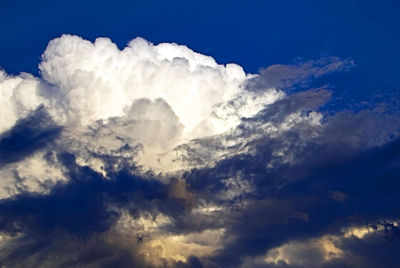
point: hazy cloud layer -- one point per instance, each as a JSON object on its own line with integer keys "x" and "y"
{"x": 157, "y": 156}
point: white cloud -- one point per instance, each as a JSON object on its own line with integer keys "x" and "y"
{"x": 98, "y": 81}
{"x": 18, "y": 96}
{"x": 33, "y": 174}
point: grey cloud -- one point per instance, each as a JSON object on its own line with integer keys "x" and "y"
{"x": 27, "y": 136}
{"x": 300, "y": 73}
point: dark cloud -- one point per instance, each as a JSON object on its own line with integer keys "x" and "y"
{"x": 375, "y": 249}
{"x": 298, "y": 199}
{"x": 286, "y": 176}
{"x": 27, "y": 136}
{"x": 335, "y": 182}
{"x": 81, "y": 206}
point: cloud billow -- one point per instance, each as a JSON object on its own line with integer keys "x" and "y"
{"x": 157, "y": 156}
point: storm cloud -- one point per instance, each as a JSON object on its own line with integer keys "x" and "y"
{"x": 157, "y": 156}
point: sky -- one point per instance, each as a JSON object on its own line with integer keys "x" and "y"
{"x": 199, "y": 134}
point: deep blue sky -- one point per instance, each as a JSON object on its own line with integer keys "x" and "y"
{"x": 254, "y": 34}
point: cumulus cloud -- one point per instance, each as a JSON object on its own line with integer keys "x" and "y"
{"x": 97, "y": 80}
{"x": 19, "y": 96}
{"x": 157, "y": 156}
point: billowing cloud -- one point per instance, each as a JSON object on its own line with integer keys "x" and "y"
{"x": 157, "y": 156}
{"x": 98, "y": 81}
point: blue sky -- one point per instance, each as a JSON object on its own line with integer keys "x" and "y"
{"x": 254, "y": 34}
{"x": 160, "y": 157}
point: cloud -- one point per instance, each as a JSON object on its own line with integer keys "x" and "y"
{"x": 335, "y": 250}
{"x": 299, "y": 74}
{"x": 26, "y": 136}
{"x": 18, "y": 97}
{"x": 157, "y": 156}
{"x": 97, "y": 80}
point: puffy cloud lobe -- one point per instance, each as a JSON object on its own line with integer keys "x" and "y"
{"x": 19, "y": 95}
{"x": 156, "y": 156}
{"x": 98, "y": 81}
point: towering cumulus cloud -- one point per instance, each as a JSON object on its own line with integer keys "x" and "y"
{"x": 98, "y": 81}
{"x": 157, "y": 156}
